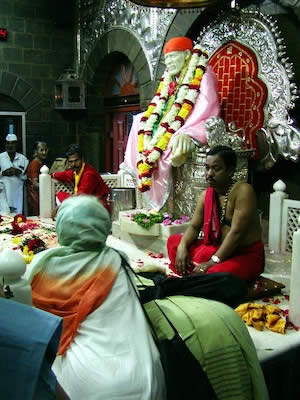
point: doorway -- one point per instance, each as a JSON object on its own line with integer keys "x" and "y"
{"x": 13, "y": 122}
{"x": 117, "y": 127}
{"x": 121, "y": 103}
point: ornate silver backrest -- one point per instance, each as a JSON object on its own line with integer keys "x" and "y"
{"x": 247, "y": 53}
{"x": 275, "y": 133}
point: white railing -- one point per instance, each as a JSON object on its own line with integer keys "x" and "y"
{"x": 49, "y": 187}
{"x": 283, "y": 220}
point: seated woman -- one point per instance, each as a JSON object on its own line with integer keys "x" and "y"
{"x": 106, "y": 350}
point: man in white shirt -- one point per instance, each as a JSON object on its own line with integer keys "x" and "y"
{"x": 13, "y": 167}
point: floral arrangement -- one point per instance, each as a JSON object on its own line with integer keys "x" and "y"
{"x": 147, "y": 219}
{"x": 19, "y": 225}
{"x": 151, "y": 143}
{"x": 27, "y": 235}
{"x": 30, "y": 245}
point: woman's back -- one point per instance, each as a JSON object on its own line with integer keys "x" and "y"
{"x": 113, "y": 355}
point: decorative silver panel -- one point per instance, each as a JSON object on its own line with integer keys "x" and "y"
{"x": 260, "y": 33}
{"x": 149, "y": 25}
{"x": 190, "y": 179}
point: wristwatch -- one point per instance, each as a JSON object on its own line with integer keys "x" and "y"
{"x": 215, "y": 259}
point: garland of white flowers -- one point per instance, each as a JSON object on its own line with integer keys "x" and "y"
{"x": 151, "y": 146}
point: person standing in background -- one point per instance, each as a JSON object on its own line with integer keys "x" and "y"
{"x": 13, "y": 167}
{"x": 40, "y": 153}
{"x": 85, "y": 178}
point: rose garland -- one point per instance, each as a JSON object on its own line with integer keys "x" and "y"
{"x": 151, "y": 146}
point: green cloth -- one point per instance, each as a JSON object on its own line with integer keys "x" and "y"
{"x": 219, "y": 340}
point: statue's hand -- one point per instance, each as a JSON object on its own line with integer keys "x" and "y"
{"x": 182, "y": 145}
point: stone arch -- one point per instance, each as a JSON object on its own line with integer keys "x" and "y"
{"x": 95, "y": 71}
{"x": 18, "y": 95}
{"x": 122, "y": 41}
{"x": 20, "y": 91}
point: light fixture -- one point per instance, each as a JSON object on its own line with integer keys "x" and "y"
{"x": 70, "y": 92}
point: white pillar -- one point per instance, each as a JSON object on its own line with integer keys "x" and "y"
{"x": 294, "y": 314}
{"x": 45, "y": 187}
{"x": 275, "y": 216}
{"x": 12, "y": 267}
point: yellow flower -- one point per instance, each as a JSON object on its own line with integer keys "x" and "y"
{"x": 196, "y": 82}
{"x": 16, "y": 240}
{"x": 140, "y": 143}
{"x": 147, "y": 182}
{"x": 27, "y": 255}
{"x": 143, "y": 167}
{"x": 187, "y": 106}
{"x": 199, "y": 73}
{"x": 28, "y": 258}
{"x": 168, "y": 135}
{"x": 183, "y": 113}
{"x": 149, "y": 111}
{"x": 163, "y": 143}
{"x": 160, "y": 86}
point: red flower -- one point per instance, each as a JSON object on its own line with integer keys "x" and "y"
{"x": 19, "y": 218}
{"x": 35, "y": 244}
{"x": 16, "y": 229}
{"x": 172, "y": 87}
{"x": 1, "y": 219}
{"x": 154, "y": 255}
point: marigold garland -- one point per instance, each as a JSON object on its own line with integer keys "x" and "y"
{"x": 151, "y": 145}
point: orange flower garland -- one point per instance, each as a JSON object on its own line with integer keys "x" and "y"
{"x": 151, "y": 146}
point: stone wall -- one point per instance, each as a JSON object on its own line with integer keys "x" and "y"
{"x": 40, "y": 45}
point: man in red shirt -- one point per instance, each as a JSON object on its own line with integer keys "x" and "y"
{"x": 86, "y": 179}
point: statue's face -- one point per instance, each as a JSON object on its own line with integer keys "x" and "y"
{"x": 175, "y": 61}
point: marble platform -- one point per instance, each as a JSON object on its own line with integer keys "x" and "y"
{"x": 153, "y": 239}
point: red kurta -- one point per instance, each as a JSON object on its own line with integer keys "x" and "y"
{"x": 90, "y": 183}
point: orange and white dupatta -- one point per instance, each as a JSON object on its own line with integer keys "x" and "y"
{"x": 72, "y": 280}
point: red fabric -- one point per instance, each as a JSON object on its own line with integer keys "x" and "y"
{"x": 178, "y": 44}
{"x": 242, "y": 93}
{"x": 33, "y": 172}
{"x": 211, "y": 225}
{"x": 247, "y": 262}
{"x": 90, "y": 183}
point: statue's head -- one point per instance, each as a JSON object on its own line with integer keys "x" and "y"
{"x": 176, "y": 51}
